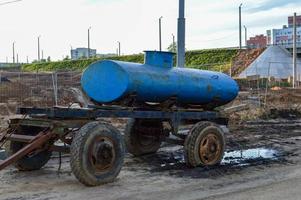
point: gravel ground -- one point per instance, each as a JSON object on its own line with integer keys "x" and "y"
{"x": 270, "y": 168}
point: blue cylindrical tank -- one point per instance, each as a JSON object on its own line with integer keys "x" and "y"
{"x": 156, "y": 81}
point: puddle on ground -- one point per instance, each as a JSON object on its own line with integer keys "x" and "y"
{"x": 237, "y": 158}
{"x": 2, "y": 155}
{"x": 242, "y": 157}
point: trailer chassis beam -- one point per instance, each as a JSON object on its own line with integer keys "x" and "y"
{"x": 36, "y": 143}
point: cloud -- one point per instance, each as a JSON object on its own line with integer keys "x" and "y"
{"x": 210, "y": 23}
{"x": 271, "y": 4}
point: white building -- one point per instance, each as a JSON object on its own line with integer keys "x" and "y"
{"x": 82, "y": 53}
{"x": 284, "y": 36}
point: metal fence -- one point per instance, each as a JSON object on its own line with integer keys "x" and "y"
{"x": 39, "y": 89}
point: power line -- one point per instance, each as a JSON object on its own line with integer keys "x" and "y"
{"x": 221, "y": 38}
{"x": 9, "y": 2}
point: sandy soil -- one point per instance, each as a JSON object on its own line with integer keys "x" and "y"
{"x": 165, "y": 176}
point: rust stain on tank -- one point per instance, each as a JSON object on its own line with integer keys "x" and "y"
{"x": 209, "y": 88}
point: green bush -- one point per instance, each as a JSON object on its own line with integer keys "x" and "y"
{"x": 212, "y": 59}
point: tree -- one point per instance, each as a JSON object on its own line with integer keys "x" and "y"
{"x": 172, "y": 47}
{"x": 48, "y": 59}
{"x": 66, "y": 58}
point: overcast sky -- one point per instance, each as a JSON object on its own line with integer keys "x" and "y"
{"x": 64, "y": 23}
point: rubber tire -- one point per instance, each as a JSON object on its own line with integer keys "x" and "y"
{"x": 27, "y": 163}
{"x": 132, "y": 143}
{"x": 191, "y": 144}
{"x": 79, "y": 153}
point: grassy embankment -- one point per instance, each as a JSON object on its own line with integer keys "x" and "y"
{"x": 215, "y": 59}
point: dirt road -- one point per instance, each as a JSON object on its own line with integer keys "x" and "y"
{"x": 270, "y": 168}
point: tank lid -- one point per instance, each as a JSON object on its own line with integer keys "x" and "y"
{"x": 159, "y": 58}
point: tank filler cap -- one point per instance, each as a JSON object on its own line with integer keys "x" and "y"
{"x": 159, "y": 58}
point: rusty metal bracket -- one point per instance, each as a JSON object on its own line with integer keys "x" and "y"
{"x": 37, "y": 142}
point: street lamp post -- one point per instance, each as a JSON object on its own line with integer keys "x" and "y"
{"x": 181, "y": 35}
{"x": 119, "y": 48}
{"x": 246, "y": 36}
{"x": 160, "y": 33}
{"x": 295, "y": 78}
{"x": 89, "y": 53}
{"x": 71, "y": 49}
{"x": 39, "y": 56}
{"x": 14, "y": 52}
{"x": 240, "y": 43}
{"x": 173, "y": 43}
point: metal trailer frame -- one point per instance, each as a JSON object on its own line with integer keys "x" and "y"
{"x": 58, "y": 122}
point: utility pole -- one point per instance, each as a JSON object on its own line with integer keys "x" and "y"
{"x": 181, "y": 35}
{"x": 246, "y": 36}
{"x": 119, "y": 49}
{"x": 71, "y": 49}
{"x": 173, "y": 43}
{"x": 89, "y": 54}
{"x": 27, "y": 59}
{"x": 295, "y": 78}
{"x": 14, "y": 52}
{"x": 160, "y": 33}
{"x": 39, "y": 57}
{"x": 240, "y": 44}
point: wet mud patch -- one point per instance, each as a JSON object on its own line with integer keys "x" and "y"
{"x": 173, "y": 162}
{"x": 2, "y": 154}
{"x": 290, "y": 114}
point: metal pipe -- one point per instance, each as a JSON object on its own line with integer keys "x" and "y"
{"x": 119, "y": 48}
{"x": 160, "y": 33}
{"x": 39, "y": 58}
{"x": 295, "y": 51}
{"x": 89, "y": 54}
{"x": 14, "y": 52}
{"x": 240, "y": 43}
{"x": 173, "y": 43}
{"x": 181, "y": 35}
{"x": 246, "y": 36}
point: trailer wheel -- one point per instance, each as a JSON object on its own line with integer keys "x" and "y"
{"x": 97, "y": 154}
{"x": 143, "y": 136}
{"x": 205, "y": 145}
{"x": 30, "y": 162}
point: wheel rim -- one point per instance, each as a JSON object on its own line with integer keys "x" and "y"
{"x": 102, "y": 155}
{"x": 210, "y": 149}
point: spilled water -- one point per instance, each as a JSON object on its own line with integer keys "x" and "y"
{"x": 2, "y": 154}
{"x": 242, "y": 157}
{"x": 237, "y": 158}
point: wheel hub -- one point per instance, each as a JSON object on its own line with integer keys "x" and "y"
{"x": 210, "y": 149}
{"x": 102, "y": 154}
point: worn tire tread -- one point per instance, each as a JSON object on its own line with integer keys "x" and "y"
{"x": 77, "y": 149}
{"x": 190, "y": 142}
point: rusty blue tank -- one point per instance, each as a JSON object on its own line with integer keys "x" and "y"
{"x": 156, "y": 81}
